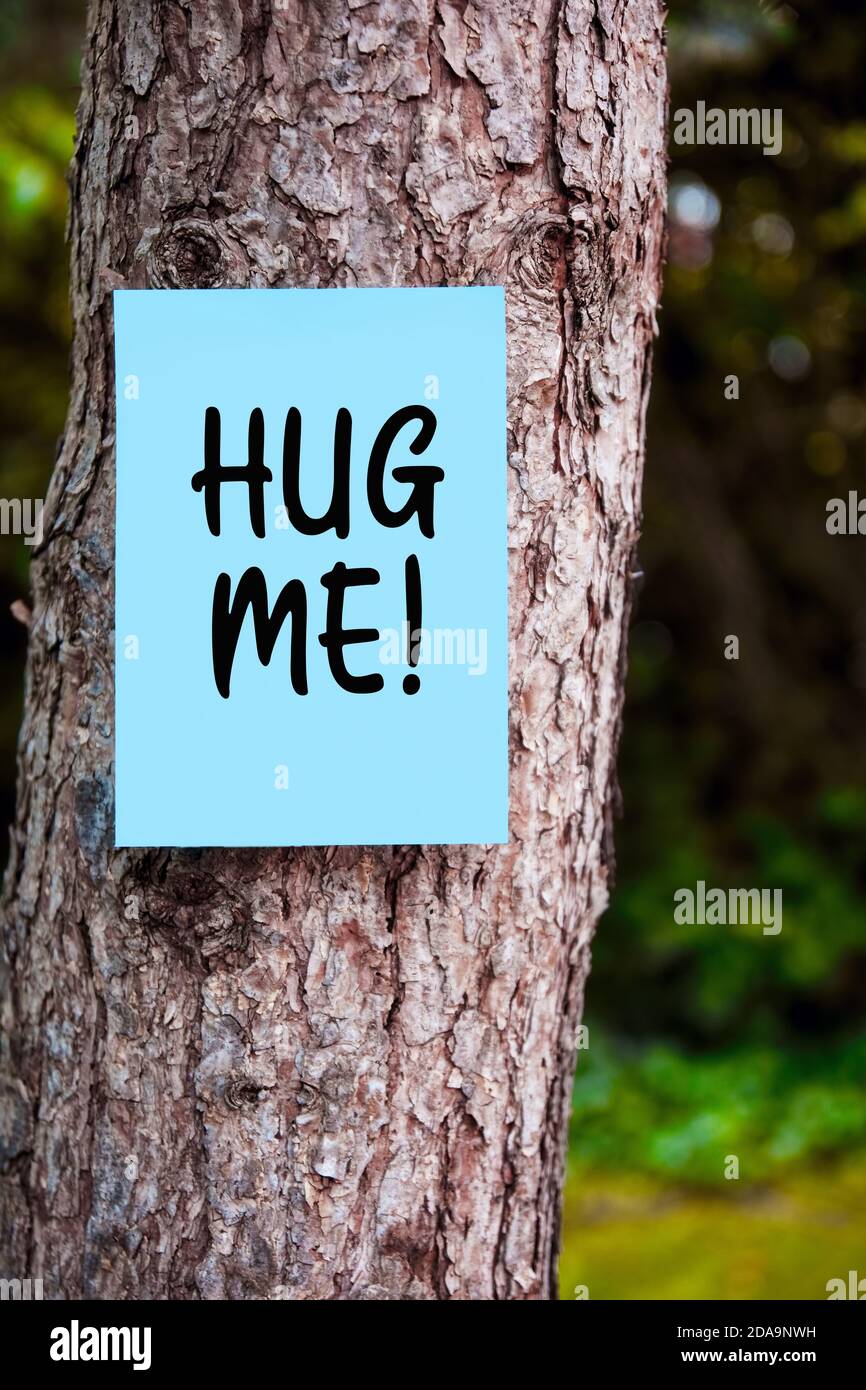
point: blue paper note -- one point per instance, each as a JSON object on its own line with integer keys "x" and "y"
{"x": 232, "y": 731}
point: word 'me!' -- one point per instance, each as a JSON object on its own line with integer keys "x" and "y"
{"x": 251, "y": 590}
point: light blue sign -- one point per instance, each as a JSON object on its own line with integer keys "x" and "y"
{"x": 311, "y": 612}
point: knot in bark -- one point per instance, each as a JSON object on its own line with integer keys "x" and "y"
{"x": 241, "y": 1091}
{"x": 538, "y": 253}
{"x": 192, "y": 255}
{"x": 185, "y": 901}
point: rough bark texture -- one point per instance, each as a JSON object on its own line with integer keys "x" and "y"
{"x": 337, "y": 1073}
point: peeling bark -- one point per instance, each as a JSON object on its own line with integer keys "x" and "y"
{"x": 338, "y": 1073}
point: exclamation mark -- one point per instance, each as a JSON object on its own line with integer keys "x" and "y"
{"x": 412, "y": 683}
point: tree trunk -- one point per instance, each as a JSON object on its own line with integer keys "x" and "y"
{"x": 338, "y": 1073}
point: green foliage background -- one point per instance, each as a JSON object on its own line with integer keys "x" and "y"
{"x": 714, "y": 1041}
{"x": 704, "y": 1041}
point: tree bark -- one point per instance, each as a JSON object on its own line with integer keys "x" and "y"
{"x": 338, "y": 1073}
